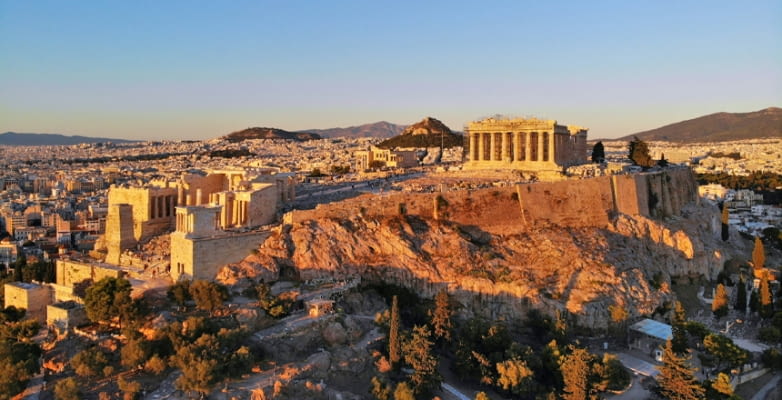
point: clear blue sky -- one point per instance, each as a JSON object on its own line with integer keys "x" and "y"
{"x": 197, "y": 69}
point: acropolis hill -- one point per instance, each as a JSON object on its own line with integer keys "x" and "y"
{"x": 572, "y": 245}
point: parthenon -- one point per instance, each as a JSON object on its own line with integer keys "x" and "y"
{"x": 525, "y": 144}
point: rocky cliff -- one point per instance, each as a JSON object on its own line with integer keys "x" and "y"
{"x": 503, "y": 264}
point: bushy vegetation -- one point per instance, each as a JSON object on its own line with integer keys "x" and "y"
{"x": 756, "y": 180}
{"x": 18, "y": 353}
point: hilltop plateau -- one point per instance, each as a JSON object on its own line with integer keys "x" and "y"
{"x": 719, "y": 127}
{"x": 502, "y": 263}
{"x": 429, "y": 132}
{"x": 269, "y": 133}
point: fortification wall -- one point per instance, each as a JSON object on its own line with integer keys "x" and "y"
{"x": 200, "y": 258}
{"x": 579, "y": 203}
{"x": 70, "y": 272}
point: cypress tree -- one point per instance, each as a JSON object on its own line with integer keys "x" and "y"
{"x": 741, "y": 295}
{"x": 766, "y": 302}
{"x": 754, "y": 301}
{"x": 758, "y": 254}
{"x": 719, "y": 305}
{"x": 676, "y": 379}
{"x": 638, "y": 153}
{"x": 394, "y": 351}
{"x": 598, "y": 153}
{"x": 725, "y": 217}
{"x": 679, "y": 331}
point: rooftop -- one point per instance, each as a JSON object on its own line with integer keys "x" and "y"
{"x": 653, "y": 328}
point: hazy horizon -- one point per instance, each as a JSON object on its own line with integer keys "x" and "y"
{"x": 182, "y": 70}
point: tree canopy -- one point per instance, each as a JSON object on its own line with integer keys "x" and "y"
{"x": 638, "y": 153}
{"x": 107, "y": 299}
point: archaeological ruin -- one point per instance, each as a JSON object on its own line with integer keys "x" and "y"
{"x": 525, "y": 144}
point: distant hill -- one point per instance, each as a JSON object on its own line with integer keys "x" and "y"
{"x": 429, "y": 132}
{"x": 51, "y": 139}
{"x": 380, "y": 129}
{"x": 719, "y": 127}
{"x": 270, "y": 133}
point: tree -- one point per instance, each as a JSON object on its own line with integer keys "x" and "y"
{"x": 107, "y": 299}
{"x": 575, "y": 369}
{"x": 639, "y": 153}
{"x": 725, "y": 226}
{"x": 754, "y": 301}
{"x": 179, "y": 293}
{"x": 513, "y": 375}
{"x": 67, "y": 389}
{"x": 394, "y": 346}
{"x": 403, "y": 392}
{"x": 598, "y": 153}
{"x": 758, "y": 254}
{"x": 441, "y": 316}
{"x": 208, "y": 295}
{"x": 418, "y": 355}
{"x": 379, "y": 390}
{"x": 676, "y": 379}
{"x": 724, "y": 350}
{"x": 720, "y": 387}
{"x": 741, "y": 295}
{"x": 719, "y": 305}
{"x": 90, "y": 362}
{"x": 135, "y": 353}
{"x": 678, "y": 328}
{"x": 482, "y": 396}
{"x": 19, "y": 356}
{"x": 766, "y": 301}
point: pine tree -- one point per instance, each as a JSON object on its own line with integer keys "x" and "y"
{"x": 719, "y": 305}
{"x": 418, "y": 354}
{"x": 676, "y": 379}
{"x": 403, "y": 392}
{"x": 394, "y": 351}
{"x": 638, "y": 153}
{"x": 722, "y": 385}
{"x": 725, "y": 217}
{"x": 441, "y": 316}
{"x": 758, "y": 254}
{"x": 678, "y": 328}
{"x": 598, "y": 153}
{"x": 766, "y": 301}
{"x": 575, "y": 369}
{"x": 741, "y": 295}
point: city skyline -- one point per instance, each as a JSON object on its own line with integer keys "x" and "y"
{"x": 177, "y": 71}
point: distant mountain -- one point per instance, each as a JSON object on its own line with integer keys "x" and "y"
{"x": 270, "y": 133}
{"x": 429, "y": 132}
{"x": 51, "y": 139}
{"x": 380, "y": 129}
{"x": 719, "y": 127}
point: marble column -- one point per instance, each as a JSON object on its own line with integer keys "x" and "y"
{"x": 481, "y": 147}
{"x": 504, "y": 149}
{"x": 551, "y": 146}
{"x": 527, "y": 147}
{"x": 492, "y": 146}
{"x": 540, "y": 146}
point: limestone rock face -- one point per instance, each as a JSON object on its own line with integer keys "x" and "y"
{"x": 578, "y": 270}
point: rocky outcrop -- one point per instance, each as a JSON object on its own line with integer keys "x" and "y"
{"x": 498, "y": 261}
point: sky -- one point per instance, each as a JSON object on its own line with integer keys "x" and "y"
{"x": 201, "y": 69}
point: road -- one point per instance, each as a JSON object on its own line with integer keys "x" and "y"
{"x": 763, "y": 392}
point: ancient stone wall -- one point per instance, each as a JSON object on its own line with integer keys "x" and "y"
{"x": 70, "y": 272}
{"x": 200, "y": 258}
{"x": 30, "y": 296}
{"x": 577, "y": 203}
